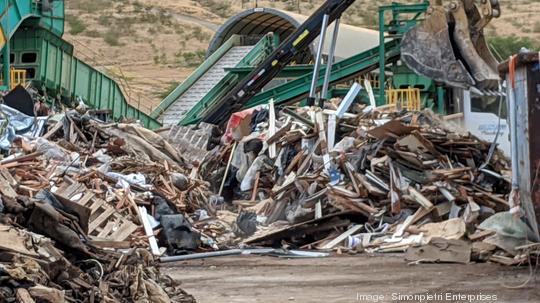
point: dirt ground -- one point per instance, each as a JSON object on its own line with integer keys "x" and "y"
{"x": 347, "y": 279}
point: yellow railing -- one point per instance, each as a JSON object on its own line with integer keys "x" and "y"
{"x": 17, "y": 76}
{"x": 408, "y": 98}
{"x": 373, "y": 79}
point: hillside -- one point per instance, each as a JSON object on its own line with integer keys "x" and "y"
{"x": 154, "y": 45}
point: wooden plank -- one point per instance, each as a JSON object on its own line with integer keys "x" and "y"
{"x": 86, "y": 198}
{"x": 149, "y": 232}
{"x": 6, "y": 189}
{"x": 97, "y": 204}
{"x": 107, "y": 229}
{"x": 72, "y": 190}
{"x": 420, "y": 199}
{"x": 100, "y": 219}
{"x": 111, "y": 244}
{"x": 53, "y": 130}
{"x": 124, "y": 231}
{"x": 297, "y": 159}
{"x": 480, "y": 235}
{"x": 8, "y": 177}
{"x": 342, "y": 237}
{"x": 12, "y": 240}
{"x": 279, "y": 134}
{"x": 23, "y": 296}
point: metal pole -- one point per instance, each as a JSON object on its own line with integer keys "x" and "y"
{"x": 6, "y": 52}
{"x": 382, "y": 59}
{"x": 440, "y": 100}
{"x": 227, "y": 168}
{"x": 318, "y": 59}
{"x": 512, "y": 105}
{"x": 326, "y": 83}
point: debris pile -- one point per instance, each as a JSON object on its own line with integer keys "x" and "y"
{"x": 76, "y": 210}
{"x": 362, "y": 179}
{"x": 87, "y": 205}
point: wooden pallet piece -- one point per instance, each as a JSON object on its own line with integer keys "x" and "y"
{"x": 105, "y": 221}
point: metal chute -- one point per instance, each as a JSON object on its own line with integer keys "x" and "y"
{"x": 450, "y": 47}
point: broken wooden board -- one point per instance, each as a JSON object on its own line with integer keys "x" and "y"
{"x": 392, "y": 128}
{"x": 441, "y": 250}
{"x": 342, "y": 237}
{"x": 11, "y": 239}
{"x": 105, "y": 222}
{"x": 23, "y": 296}
{"x": 6, "y": 184}
{"x": 420, "y": 199}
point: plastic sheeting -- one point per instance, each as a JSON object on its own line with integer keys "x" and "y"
{"x": 14, "y": 123}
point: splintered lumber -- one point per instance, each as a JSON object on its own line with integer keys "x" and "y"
{"x": 106, "y": 222}
{"x": 11, "y": 240}
{"x": 420, "y": 199}
{"x": 47, "y": 294}
{"x": 279, "y": 134}
{"x": 7, "y": 182}
{"x": 342, "y": 237}
{"x": 480, "y": 235}
{"x": 23, "y": 296}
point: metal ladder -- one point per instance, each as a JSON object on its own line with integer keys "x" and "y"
{"x": 201, "y": 87}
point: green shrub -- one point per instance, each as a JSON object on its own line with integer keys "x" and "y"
{"x": 505, "y": 46}
{"x": 92, "y": 33}
{"x": 76, "y": 26}
{"x": 112, "y": 37}
{"x": 171, "y": 87}
{"x": 221, "y": 8}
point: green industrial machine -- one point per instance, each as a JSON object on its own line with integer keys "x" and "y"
{"x": 296, "y": 79}
{"x": 211, "y": 80}
{"x": 46, "y": 14}
{"x": 32, "y": 41}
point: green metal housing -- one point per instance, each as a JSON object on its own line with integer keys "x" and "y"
{"x": 404, "y": 17}
{"x": 34, "y": 30}
{"x": 51, "y": 65}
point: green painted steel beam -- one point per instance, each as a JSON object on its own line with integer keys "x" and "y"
{"x": 401, "y": 23}
{"x": 288, "y": 72}
{"x": 341, "y": 71}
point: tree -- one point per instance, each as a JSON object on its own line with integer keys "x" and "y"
{"x": 505, "y": 46}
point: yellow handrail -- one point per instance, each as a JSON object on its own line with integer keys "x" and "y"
{"x": 373, "y": 79}
{"x": 408, "y": 98}
{"x": 18, "y": 76}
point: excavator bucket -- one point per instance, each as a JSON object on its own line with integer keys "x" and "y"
{"x": 450, "y": 47}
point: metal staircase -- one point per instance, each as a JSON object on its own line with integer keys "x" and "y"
{"x": 203, "y": 85}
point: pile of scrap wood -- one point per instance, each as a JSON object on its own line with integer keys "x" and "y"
{"x": 378, "y": 180}
{"x": 78, "y": 213}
